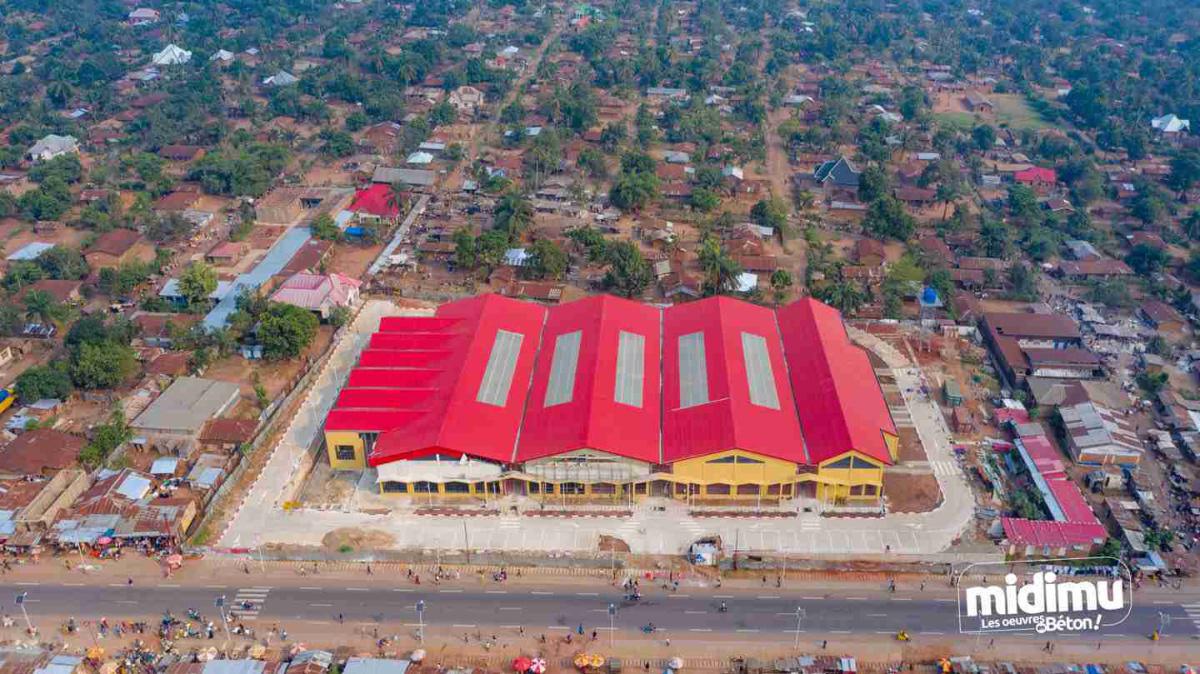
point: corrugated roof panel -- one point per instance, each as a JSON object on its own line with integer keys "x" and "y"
{"x": 758, "y": 371}
{"x": 631, "y": 368}
{"x": 693, "y": 371}
{"x": 561, "y": 387}
{"x": 498, "y": 375}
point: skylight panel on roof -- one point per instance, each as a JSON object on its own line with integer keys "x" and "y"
{"x": 758, "y": 371}
{"x": 693, "y": 371}
{"x": 631, "y": 368}
{"x": 502, "y": 362}
{"x": 561, "y": 387}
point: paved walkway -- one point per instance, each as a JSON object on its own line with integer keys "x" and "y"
{"x": 647, "y": 531}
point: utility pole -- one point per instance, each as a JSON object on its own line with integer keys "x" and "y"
{"x": 21, "y": 603}
{"x": 421, "y": 620}
{"x": 612, "y": 625}
{"x": 466, "y": 541}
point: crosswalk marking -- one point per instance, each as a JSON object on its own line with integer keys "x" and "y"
{"x": 248, "y": 602}
{"x": 810, "y": 524}
{"x": 1193, "y": 614}
{"x": 944, "y": 468}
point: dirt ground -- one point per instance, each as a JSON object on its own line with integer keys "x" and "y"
{"x": 911, "y": 492}
{"x": 275, "y": 376}
{"x": 15, "y": 234}
{"x": 352, "y": 260}
{"x": 357, "y": 538}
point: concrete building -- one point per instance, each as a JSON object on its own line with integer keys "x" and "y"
{"x": 176, "y": 417}
{"x": 1098, "y": 435}
{"x": 607, "y": 398}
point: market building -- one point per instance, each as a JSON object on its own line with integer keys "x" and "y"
{"x": 609, "y": 399}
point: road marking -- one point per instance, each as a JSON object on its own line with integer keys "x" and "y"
{"x": 722, "y": 596}
{"x": 510, "y": 627}
{"x": 882, "y": 632}
{"x": 326, "y": 605}
{"x": 1164, "y": 602}
{"x": 32, "y": 601}
{"x": 110, "y": 584}
{"x": 309, "y": 587}
{"x": 876, "y": 615}
{"x": 541, "y": 592}
{"x": 401, "y": 589}
{"x": 221, "y": 587}
{"x": 857, "y": 598}
{"x": 839, "y": 631}
{"x": 168, "y": 585}
{"x": 747, "y": 630}
{"x": 450, "y": 591}
{"x": 30, "y": 584}
{"x": 812, "y": 598}
{"x": 947, "y": 601}
{"x": 587, "y": 594}
{"x": 901, "y": 598}
{"x": 462, "y": 625}
{"x": 496, "y": 592}
{"x": 769, "y": 596}
{"x": 358, "y": 589}
{"x": 699, "y": 629}
{"x": 695, "y": 612}
{"x": 930, "y": 632}
{"x": 558, "y": 627}
{"x": 73, "y": 584}
{"x": 318, "y": 622}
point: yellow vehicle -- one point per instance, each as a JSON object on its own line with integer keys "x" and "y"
{"x": 7, "y": 397}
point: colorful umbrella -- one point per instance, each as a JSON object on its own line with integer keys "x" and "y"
{"x": 675, "y": 663}
{"x": 521, "y": 664}
{"x": 103, "y": 540}
{"x": 417, "y": 655}
{"x": 538, "y": 666}
{"x": 581, "y": 661}
{"x": 596, "y": 661}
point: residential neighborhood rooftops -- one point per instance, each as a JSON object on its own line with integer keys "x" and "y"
{"x": 187, "y": 404}
{"x": 40, "y": 450}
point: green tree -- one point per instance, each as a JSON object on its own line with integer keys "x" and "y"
{"x": 97, "y": 365}
{"x": 887, "y": 219}
{"x": 873, "y": 184}
{"x": 721, "y": 271}
{"x": 705, "y": 200}
{"x": 105, "y": 438}
{"x": 513, "y": 215}
{"x": 44, "y": 381}
{"x": 546, "y": 260}
{"x": 634, "y": 191}
{"x": 844, "y": 296}
{"x": 286, "y": 330}
{"x": 1146, "y": 260}
{"x": 323, "y": 227}
{"x": 781, "y": 283}
{"x": 1185, "y": 171}
{"x": 196, "y": 283}
{"x": 628, "y": 272}
{"x": 1023, "y": 281}
{"x": 770, "y": 212}
{"x": 984, "y": 137}
{"x": 41, "y": 307}
{"x": 465, "y": 256}
{"x": 1022, "y": 202}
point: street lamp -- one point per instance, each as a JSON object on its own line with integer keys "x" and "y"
{"x": 800, "y": 613}
{"x": 612, "y": 624}
{"x": 421, "y": 620}
{"x": 220, "y": 604}
{"x": 21, "y": 603}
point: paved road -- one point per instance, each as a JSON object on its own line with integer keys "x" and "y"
{"x": 682, "y": 615}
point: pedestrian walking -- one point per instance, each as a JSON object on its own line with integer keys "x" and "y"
{"x": 824, "y": 643}
{"x": 922, "y": 586}
{"x": 368, "y": 569}
{"x": 341, "y": 619}
{"x": 580, "y": 629}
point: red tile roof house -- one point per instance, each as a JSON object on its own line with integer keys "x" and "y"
{"x": 63, "y": 291}
{"x": 118, "y": 246}
{"x": 226, "y": 253}
{"x": 375, "y": 202}
{"x": 40, "y": 452}
{"x": 318, "y": 293}
{"x": 1036, "y": 176}
{"x": 1012, "y": 337}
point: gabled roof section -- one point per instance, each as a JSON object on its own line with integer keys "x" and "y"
{"x": 453, "y": 383}
{"x": 596, "y": 382}
{"x": 724, "y": 383}
{"x": 838, "y": 398}
{"x": 838, "y": 171}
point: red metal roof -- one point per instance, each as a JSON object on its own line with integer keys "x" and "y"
{"x": 729, "y": 420}
{"x": 374, "y": 200}
{"x": 454, "y": 418}
{"x": 1075, "y": 508}
{"x": 1036, "y": 174}
{"x": 419, "y": 381}
{"x": 837, "y": 395}
{"x": 1052, "y": 534}
{"x": 592, "y": 418}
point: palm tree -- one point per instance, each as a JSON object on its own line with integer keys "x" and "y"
{"x": 843, "y": 296}
{"x": 720, "y": 270}
{"x": 397, "y": 197}
{"x": 947, "y": 192}
{"x": 513, "y": 214}
{"x": 41, "y": 307}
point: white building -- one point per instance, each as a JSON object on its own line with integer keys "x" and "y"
{"x": 52, "y": 146}
{"x": 172, "y": 55}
